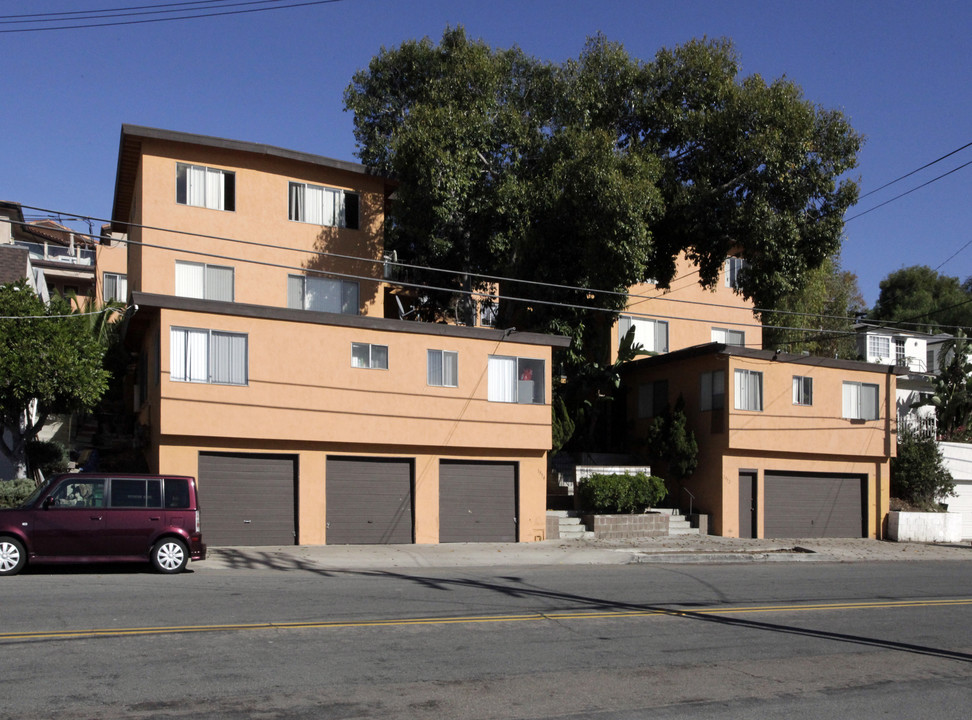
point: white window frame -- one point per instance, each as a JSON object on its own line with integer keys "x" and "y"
{"x": 650, "y": 333}
{"x": 733, "y": 267}
{"x": 301, "y": 290}
{"x": 442, "y": 368}
{"x": 802, "y": 390}
{"x": 321, "y": 205}
{"x": 879, "y": 346}
{"x": 860, "y": 401}
{"x": 507, "y": 378}
{"x": 201, "y": 186}
{"x": 748, "y": 390}
{"x": 207, "y": 285}
{"x": 118, "y": 287}
{"x": 729, "y": 337}
{"x": 712, "y": 390}
{"x": 369, "y": 356}
{"x": 197, "y": 355}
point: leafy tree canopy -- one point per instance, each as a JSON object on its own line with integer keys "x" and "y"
{"x": 818, "y": 318}
{"x": 925, "y": 300}
{"x": 597, "y": 172}
{"x": 47, "y": 355}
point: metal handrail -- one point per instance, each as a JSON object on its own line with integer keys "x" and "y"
{"x": 691, "y": 499}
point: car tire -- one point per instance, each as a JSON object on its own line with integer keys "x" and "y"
{"x": 170, "y": 555}
{"x": 12, "y": 556}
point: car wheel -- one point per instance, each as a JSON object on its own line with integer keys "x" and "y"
{"x": 12, "y": 556}
{"x": 170, "y": 555}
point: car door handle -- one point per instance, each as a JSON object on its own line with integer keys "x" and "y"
{"x": 151, "y": 519}
{"x": 96, "y": 517}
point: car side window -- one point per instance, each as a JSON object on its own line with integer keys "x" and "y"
{"x": 131, "y": 493}
{"x": 176, "y": 493}
{"x": 79, "y": 492}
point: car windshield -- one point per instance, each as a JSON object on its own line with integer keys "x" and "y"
{"x": 37, "y": 493}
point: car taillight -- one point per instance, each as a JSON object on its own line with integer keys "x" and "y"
{"x": 197, "y": 521}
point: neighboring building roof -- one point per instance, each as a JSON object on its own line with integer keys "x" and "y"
{"x": 768, "y": 355}
{"x": 150, "y": 301}
{"x": 866, "y": 327}
{"x": 130, "y": 149}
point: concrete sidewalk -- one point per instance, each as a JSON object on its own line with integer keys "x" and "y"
{"x": 677, "y": 549}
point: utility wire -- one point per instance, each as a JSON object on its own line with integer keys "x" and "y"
{"x": 58, "y": 16}
{"x": 478, "y": 294}
{"x": 196, "y": 16}
{"x": 908, "y": 192}
{"x": 917, "y": 170}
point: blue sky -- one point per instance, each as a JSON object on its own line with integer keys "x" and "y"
{"x": 901, "y": 71}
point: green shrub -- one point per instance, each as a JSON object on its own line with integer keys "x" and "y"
{"x": 627, "y": 493}
{"x": 918, "y": 473}
{"x": 47, "y": 456}
{"x": 14, "y": 492}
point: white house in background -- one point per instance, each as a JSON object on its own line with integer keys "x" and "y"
{"x": 914, "y": 351}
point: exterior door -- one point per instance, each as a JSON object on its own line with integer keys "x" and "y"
{"x": 369, "y": 501}
{"x": 747, "y": 504}
{"x": 477, "y": 502}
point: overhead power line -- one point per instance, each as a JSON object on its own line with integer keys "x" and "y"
{"x": 81, "y": 22}
{"x": 480, "y": 294}
{"x": 907, "y": 192}
{"x": 917, "y": 170}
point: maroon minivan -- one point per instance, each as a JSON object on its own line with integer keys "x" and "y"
{"x": 105, "y": 518}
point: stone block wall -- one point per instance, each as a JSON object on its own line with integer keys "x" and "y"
{"x": 626, "y": 527}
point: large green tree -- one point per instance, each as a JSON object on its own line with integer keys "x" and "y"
{"x": 818, "y": 318}
{"x": 595, "y": 173}
{"x": 919, "y": 298}
{"x": 50, "y": 363}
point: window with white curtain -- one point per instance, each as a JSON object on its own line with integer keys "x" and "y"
{"x": 652, "y": 335}
{"x": 115, "y": 287}
{"x": 208, "y": 356}
{"x": 729, "y": 337}
{"x": 712, "y": 390}
{"x": 734, "y": 269}
{"x": 515, "y": 380}
{"x": 366, "y": 355}
{"x": 802, "y": 390}
{"x": 322, "y": 294}
{"x": 319, "y": 205}
{"x": 205, "y": 187}
{"x": 749, "y": 390}
{"x": 860, "y": 401}
{"x": 206, "y": 282}
{"x": 443, "y": 368}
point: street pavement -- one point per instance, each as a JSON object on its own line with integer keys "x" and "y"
{"x": 682, "y": 549}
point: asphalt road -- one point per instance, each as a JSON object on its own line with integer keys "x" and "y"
{"x": 801, "y": 640}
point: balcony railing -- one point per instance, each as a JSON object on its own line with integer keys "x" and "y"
{"x": 923, "y": 426}
{"x": 58, "y": 253}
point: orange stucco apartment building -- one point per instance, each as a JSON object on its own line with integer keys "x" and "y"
{"x": 266, "y": 367}
{"x": 789, "y": 445}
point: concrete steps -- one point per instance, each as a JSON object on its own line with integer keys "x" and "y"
{"x": 571, "y": 527}
{"x": 678, "y": 524}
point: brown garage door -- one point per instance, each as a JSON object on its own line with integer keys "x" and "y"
{"x": 477, "y": 502}
{"x": 807, "y": 505}
{"x": 369, "y": 501}
{"x": 248, "y": 499}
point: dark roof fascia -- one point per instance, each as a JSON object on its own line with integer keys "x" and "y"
{"x": 131, "y": 136}
{"x": 265, "y": 312}
{"x": 769, "y": 355}
{"x": 864, "y": 328}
